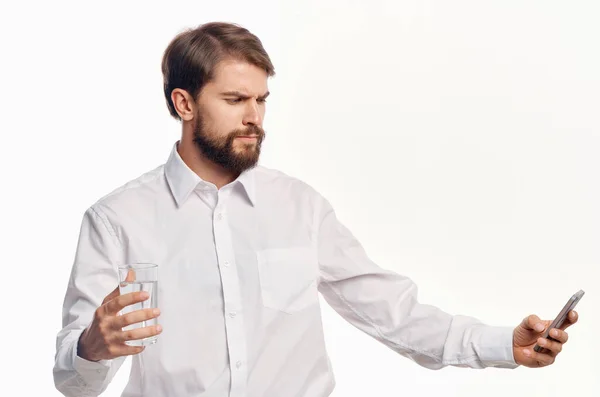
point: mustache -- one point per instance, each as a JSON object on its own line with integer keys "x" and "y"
{"x": 250, "y": 131}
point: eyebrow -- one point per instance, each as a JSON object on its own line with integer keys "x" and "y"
{"x": 242, "y": 95}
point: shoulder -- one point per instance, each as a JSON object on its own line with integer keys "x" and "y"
{"x": 272, "y": 181}
{"x": 134, "y": 192}
{"x": 275, "y": 189}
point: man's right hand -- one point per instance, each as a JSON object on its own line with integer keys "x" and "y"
{"x": 104, "y": 338}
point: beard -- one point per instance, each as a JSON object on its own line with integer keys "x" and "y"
{"x": 220, "y": 149}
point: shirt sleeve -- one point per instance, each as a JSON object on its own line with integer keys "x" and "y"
{"x": 384, "y": 305}
{"x": 93, "y": 277}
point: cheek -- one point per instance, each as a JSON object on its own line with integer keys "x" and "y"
{"x": 214, "y": 121}
{"x": 227, "y": 118}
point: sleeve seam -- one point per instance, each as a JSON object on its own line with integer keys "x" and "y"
{"x": 107, "y": 226}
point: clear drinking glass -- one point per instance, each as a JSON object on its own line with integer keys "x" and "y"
{"x": 140, "y": 277}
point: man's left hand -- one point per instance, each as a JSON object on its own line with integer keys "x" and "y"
{"x": 530, "y": 332}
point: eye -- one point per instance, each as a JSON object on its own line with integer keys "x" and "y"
{"x": 233, "y": 101}
{"x": 262, "y": 100}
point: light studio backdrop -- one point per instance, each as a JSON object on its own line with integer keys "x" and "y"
{"x": 458, "y": 140}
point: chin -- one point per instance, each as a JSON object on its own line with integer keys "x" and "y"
{"x": 246, "y": 147}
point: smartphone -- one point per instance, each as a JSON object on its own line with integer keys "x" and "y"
{"x": 562, "y": 316}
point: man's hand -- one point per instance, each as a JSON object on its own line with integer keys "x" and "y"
{"x": 104, "y": 338}
{"x": 529, "y": 332}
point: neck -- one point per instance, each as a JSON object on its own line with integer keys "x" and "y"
{"x": 205, "y": 169}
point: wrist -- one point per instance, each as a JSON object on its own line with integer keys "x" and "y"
{"x": 81, "y": 348}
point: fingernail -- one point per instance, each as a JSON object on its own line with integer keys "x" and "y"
{"x": 554, "y": 332}
{"x": 156, "y": 312}
{"x": 527, "y": 352}
{"x": 158, "y": 328}
{"x": 144, "y": 295}
{"x": 542, "y": 342}
{"x": 539, "y": 327}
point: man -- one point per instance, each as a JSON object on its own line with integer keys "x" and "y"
{"x": 243, "y": 252}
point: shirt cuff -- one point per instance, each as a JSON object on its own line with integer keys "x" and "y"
{"x": 88, "y": 369}
{"x": 496, "y": 347}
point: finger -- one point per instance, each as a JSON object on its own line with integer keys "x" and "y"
{"x": 119, "y": 350}
{"x": 533, "y": 322}
{"x": 542, "y": 359}
{"x": 118, "y": 303}
{"x": 140, "y": 333}
{"x": 555, "y": 347}
{"x": 571, "y": 319}
{"x": 134, "y": 317}
{"x": 559, "y": 335}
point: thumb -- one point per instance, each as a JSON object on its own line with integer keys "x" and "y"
{"x": 533, "y": 323}
{"x": 112, "y": 295}
{"x": 130, "y": 276}
{"x": 116, "y": 292}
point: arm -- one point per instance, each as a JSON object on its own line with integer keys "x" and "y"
{"x": 93, "y": 276}
{"x": 384, "y": 305}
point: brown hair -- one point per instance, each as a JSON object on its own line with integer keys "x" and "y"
{"x": 190, "y": 59}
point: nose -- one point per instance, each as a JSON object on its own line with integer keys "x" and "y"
{"x": 252, "y": 114}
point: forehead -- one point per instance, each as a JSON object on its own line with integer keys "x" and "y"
{"x": 235, "y": 75}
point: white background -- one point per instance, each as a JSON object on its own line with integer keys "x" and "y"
{"x": 458, "y": 140}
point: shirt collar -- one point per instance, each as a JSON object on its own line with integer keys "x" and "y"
{"x": 183, "y": 181}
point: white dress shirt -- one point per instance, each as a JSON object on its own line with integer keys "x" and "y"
{"x": 240, "y": 271}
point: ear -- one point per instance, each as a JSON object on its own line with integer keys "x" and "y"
{"x": 184, "y": 104}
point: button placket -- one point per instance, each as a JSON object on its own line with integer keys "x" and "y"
{"x": 233, "y": 309}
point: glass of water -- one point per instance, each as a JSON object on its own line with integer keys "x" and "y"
{"x": 140, "y": 277}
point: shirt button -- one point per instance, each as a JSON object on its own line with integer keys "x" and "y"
{"x": 232, "y": 314}
{"x": 226, "y": 264}
{"x": 238, "y": 364}
{"x": 219, "y": 216}
{"x": 99, "y": 371}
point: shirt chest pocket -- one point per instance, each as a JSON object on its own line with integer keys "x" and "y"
{"x": 288, "y": 278}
